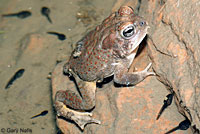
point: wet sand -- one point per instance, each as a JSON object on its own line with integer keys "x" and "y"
{"x": 25, "y": 44}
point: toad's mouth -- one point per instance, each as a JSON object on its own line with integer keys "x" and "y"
{"x": 135, "y": 41}
{"x": 134, "y": 51}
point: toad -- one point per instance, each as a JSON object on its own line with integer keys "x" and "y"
{"x": 107, "y": 50}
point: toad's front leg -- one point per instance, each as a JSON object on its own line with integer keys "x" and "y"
{"x": 122, "y": 77}
{"x": 84, "y": 100}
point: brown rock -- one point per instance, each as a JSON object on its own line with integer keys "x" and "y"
{"x": 174, "y": 50}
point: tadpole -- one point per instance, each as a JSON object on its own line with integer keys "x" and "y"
{"x": 46, "y": 12}
{"x": 184, "y": 125}
{"x": 43, "y": 113}
{"x": 59, "y": 35}
{"x": 21, "y": 14}
{"x": 16, "y": 76}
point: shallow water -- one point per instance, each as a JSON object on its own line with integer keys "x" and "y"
{"x": 25, "y": 44}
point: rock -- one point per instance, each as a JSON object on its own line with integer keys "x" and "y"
{"x": 174, "y": 49}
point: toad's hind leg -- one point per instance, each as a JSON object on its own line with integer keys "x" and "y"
{"x": 83, "y": 101}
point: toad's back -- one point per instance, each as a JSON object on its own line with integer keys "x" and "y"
{"x": 94, "y": 61}
{"x": 109, "y": 44}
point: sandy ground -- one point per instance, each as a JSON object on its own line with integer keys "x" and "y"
{"x": 25, "y": 44}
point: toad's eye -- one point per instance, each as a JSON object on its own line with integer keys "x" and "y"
{"x": 128, "y": 31}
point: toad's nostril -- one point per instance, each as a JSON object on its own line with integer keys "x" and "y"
{"x": 142, "y": 23}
